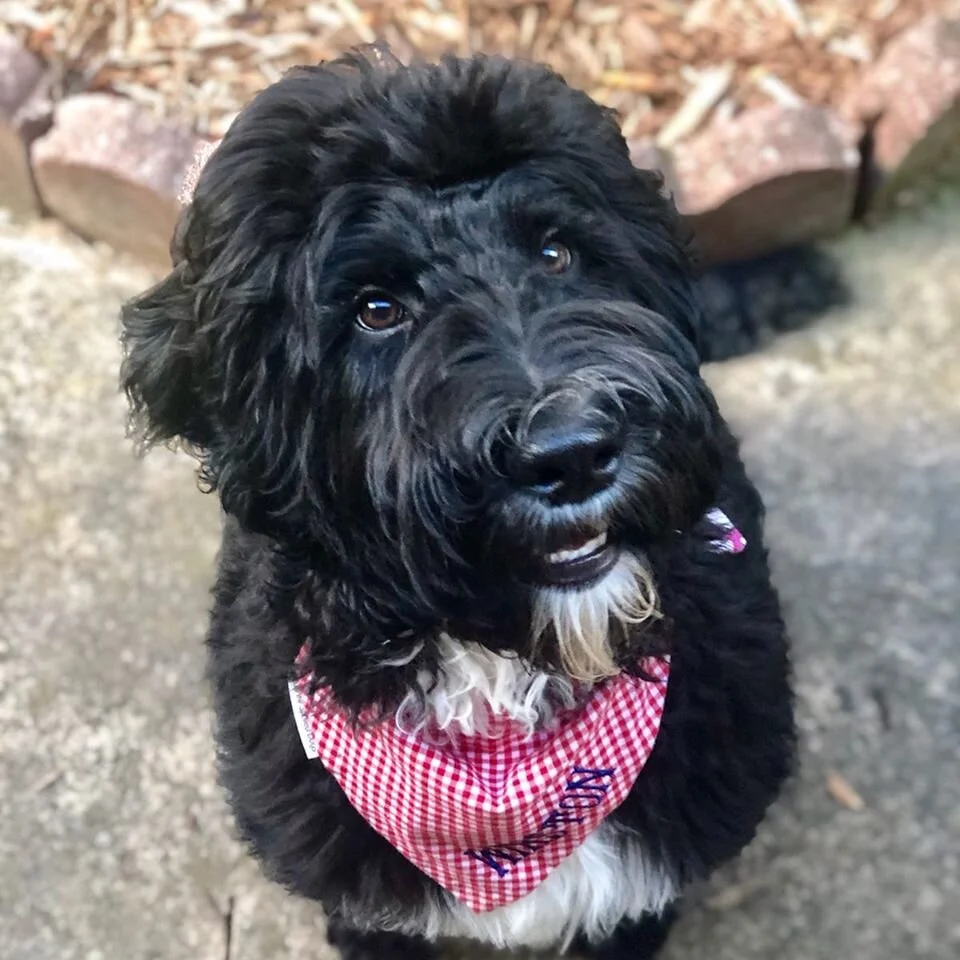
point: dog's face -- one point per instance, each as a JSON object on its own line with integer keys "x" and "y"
{"x": 431, "y": 328}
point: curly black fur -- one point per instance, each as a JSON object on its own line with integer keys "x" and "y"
{"x": 369, "y": 481}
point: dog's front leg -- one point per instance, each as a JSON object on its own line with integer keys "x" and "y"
{"x": 632, "y": 939}
{"x": 354, "y": 944}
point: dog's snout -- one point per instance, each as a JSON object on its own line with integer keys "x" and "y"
{"x": 566, "y": 457}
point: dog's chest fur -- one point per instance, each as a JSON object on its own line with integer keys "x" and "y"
{"x": 608, "y": 878}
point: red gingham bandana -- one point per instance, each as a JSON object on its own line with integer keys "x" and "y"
{"x": 489, "y": 819}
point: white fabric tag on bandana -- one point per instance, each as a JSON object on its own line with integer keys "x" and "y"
{"x": 489, "y": 819}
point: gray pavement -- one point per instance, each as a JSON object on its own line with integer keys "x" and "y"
{"x": 114, "y": 843}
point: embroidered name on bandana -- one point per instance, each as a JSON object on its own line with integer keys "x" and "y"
{"x": 489, "y": 819}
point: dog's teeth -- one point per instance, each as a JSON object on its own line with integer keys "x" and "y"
{"x": 591, "y": 546}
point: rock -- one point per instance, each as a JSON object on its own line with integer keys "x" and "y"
{"x": 113, "y": 171}
{"x": 767, "y": 179}
{"x": 910, "y": 100}
{"x": 646, "y": 154}
{"x": 20, "y": 73}
{"x": 192, "y": 175}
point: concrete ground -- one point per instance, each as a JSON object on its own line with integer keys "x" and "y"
{"x": 114, "y": 844}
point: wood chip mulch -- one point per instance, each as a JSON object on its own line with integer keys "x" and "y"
{"x": 667, "y": 67}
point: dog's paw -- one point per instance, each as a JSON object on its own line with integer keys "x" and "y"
{"x": 360, "y": 945}
{"x": 641, "y": 940}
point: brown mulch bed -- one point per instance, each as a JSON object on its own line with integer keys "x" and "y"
{"x": 666, "y": 66}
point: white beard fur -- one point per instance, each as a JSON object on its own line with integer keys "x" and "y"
{"x": 580, "y": 619}
{"x": 609, "y": 877}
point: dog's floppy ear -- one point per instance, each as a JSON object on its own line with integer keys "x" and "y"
{"x": 158, "y": 370}
{"x": 243, "y": 215}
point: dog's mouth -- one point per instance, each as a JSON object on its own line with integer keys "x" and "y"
{"x": 583, "y": 560}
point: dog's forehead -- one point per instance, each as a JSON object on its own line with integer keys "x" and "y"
{"x": 473, "y": 209}
{"x": 478, "y": 214}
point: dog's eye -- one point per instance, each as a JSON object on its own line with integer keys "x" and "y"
{"x": 376, "y": 311}
{"x": 555, "y": 256}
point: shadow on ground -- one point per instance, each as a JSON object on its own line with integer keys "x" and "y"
{"x": 748, "y": 305}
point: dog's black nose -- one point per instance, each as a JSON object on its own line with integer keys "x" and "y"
{"x": 567, "y": 459}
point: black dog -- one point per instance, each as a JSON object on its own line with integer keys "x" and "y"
{"x": 435, "y": 342}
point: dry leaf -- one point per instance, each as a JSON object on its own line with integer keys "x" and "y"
{"x": 734, "y": 895}
{"x": 630, "y": 80}
{"x": 775, "y": 88}
{"x": 843, "y": 792}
